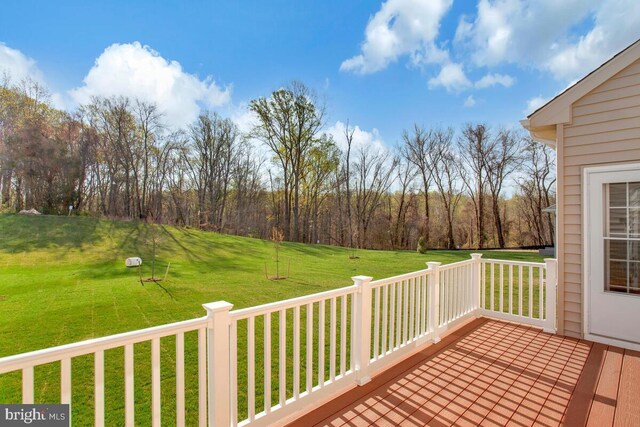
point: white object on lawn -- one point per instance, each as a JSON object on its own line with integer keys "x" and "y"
{"x": 133, "y": 262}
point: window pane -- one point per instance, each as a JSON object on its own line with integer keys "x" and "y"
{"x": 616, "y": 249}
{"x": 634, "y": 194}
{"x": 634, "y": 251}
{"x": 634, "y": 222}
{"x": 618, "y": 195}
{"x": 617, "y": 276}
{"x": 634, "y": 277}
{"x": 618, "y": 222}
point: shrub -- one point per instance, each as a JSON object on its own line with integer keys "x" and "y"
{"x": 422, "y": 245}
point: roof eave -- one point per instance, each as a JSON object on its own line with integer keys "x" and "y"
{"x": 544, "y": 134}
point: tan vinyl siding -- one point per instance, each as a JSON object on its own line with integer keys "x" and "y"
{"x": 605, "y": 129}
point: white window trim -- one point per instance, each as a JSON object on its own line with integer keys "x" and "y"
{"x": 586, "y": 250}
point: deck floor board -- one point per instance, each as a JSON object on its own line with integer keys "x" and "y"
{"x": 492, "y": 373}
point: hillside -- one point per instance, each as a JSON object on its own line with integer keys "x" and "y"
{"x": 63, "y": 279}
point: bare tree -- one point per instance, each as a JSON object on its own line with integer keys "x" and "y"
{"x": 418, "y": 147}
{"x": 474, "y": 146}
{"x": 536, "y": 191}
{"x": 405, "y": 175}
{"x": 447, "y": 177}
{"x": 373, "y": 178}
{"x": 503, "y": 157}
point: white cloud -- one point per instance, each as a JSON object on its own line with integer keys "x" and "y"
{"x": 470, "y": 101}
{"x": 534, "y": 103}
{"x": 400, "y": 27}
{"x": 489, "y": 80}
{"x": 17, "y": 66}
{"x": 451, "y": 77}
{"x": 616, "y": 26}
{"x": 244, "y": 118}
{"x": 362, "y": 139}
{"x": 140, "y": 72}
{"x": 542, "y": 33}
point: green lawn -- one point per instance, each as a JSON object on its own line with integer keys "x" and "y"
{"x": 63, "y": 280}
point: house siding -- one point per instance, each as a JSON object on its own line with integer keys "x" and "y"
{"x": 604, "y": 129}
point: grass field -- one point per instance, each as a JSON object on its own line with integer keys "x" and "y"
{"x": 63, "y": 280}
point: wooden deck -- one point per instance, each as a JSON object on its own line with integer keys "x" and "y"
{"x": 496, "y": 373}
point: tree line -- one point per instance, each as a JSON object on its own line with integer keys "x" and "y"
{"x": 116, "y": 157}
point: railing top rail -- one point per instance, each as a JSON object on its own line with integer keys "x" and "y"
{"x": 258, "y": 310}
{"x": 81, "y": 348}
{"x": 393, "y": 279}
{"x": 511, "y": 262}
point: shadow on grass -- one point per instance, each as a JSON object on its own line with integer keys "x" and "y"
{"x": 21, "y": 233}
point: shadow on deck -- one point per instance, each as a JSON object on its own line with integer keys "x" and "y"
{"x": 489, "y": 372}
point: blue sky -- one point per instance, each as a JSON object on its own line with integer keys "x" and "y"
{"x": 380, "y": 65}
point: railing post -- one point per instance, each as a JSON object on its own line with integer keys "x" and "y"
{"x": 218, "y": 363}
{"x": 434, "y": 299}
{"x": 362, "y": 343}
{"x": 476, "y": 285}
{"x": 551, "y": 265}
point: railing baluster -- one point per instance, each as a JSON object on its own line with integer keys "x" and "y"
{"x": 180, "y": 405}
{"x": 296, "y": 352}
{"x": 530, "y": 292}
{"x": 128, "y": 386}
{"x": 233, "y": 371}
{"x": 399, "y": 314}
{"x": 376, "y": 324}
{"x": 27, "y": 385}
{"x": 425, "y": 306}
{"x": 282, "y": 357}
{"x": 417, "y": 332}
{"x": 483, "y": 284}
{"x": 448, "y": 295}
{"x": 392, "y": 315}
{"x": 321, "y": 348}
{"x": 466, "y": 288}
{"x": 510, "y": 289}
{"x": 501, "y": 287}
{"x": 352, "y": 349}
{"x": 492, "y": 295}
{"x": 332, "y": 340}
{"x": 540, "y": 293}
{"x": 251, "y": 368}
{"x": 309, "y": 364}
{"x": 385, "y": 319}
{"x": 343, "y": 335}
{"x": 98, "y": 387}
{"x": 412, "y": 308}
{"x": 405, "y": 312}
{"x": 520, "y": 290}
{"x": 65, "y": 380}
{"x": 202, "y": 377}
{"x": 457, "y": 285}
{"x": 267, "y": 363}
{"x": 155, "y": 382}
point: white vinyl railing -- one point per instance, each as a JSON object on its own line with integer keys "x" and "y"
{"x": 63, "y": 355}
{"x": 268, "y": 364}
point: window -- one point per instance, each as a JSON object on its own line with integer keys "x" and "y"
{"x": 622, "y": 238}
